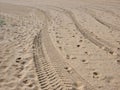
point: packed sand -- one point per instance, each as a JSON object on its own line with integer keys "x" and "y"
{"x": 60, "y": 45}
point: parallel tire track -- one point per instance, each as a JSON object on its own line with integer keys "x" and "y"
{"x": 56, "y": 64}
{"x": 91, "y": 37}
{"x": 106, "y": 10}
{"x": 112, "y": 27}
{"x": 52, "y": 74}
{"x": 61, "y": 65}
{"x": 68, "y": 76}
{"x": 88, "y": 35}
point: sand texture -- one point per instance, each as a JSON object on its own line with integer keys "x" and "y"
{"x": 60, "y": 45}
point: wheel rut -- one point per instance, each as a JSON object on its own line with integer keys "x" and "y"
{"x": 104, "y": 9}
{"x": 63, "y": 68}
{"x": 48, "y": 77}
{"x": 106, "y": 46}
{"x": 50, "y": 74}
{"x": 112, "y": 27}
{"x": 54, "y": 73}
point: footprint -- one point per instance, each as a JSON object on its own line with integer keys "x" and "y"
{"x": 23, "y": 62}
{"x": 86, "y": 52}
{"x": 67, "y": 56}
{"x": 30, "y": 85}
{"x": 73, "y": 36}
{"x": 95, "y": 75}
{"x": 58, "y": 41}
{"x": 83, "y": 60}
{"x": 60, "y": 47}
{"x": 18, "y": 58}
{"x": 118, "y": 61}
{"x": 25, "y": 81}
{"x": 78, "y": 45}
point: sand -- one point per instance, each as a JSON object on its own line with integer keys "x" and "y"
{"x": 60, "y": 45}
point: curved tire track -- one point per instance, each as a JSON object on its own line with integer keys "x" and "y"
{"x": 56, "y": 64}
{"x": 47, "y": 75}
{"x": 106, "y": 10}
{"x": 112, "y": 27}
{"x": 50, "y": 74}
{"x": 60, "y": 63}
{"x": 106, "y": 46}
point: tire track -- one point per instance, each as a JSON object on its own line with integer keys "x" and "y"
{"x": 60, "y": 67}
{"x": 106, "y": 46}
{"x": 63, "y": 68}
{"x": 106, "y": 10}
{"x": 108, "y": 25}
{"x": 55, "y": 76}
{"x": 112, "y": 27}
{"x": 47, "y": 75}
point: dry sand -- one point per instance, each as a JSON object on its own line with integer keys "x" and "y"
{"x": 60, "y": 45}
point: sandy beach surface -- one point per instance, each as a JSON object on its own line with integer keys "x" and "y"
{"x": 59, "y": 44}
